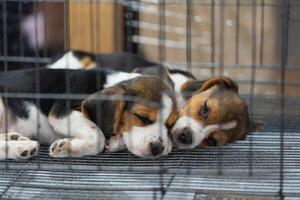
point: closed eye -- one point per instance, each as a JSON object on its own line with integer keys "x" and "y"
{"x": 143, "y": 119}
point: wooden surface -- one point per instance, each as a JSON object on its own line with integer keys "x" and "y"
{"x": 96, "y": 27}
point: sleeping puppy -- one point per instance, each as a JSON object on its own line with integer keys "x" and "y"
{"x": 81, "y": 125}
{"x": 76, "y": 59}
{"x": 213, "y": 115}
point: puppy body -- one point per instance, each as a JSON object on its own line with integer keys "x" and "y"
{"x": 70, "y": 127}
{"x": 84, "y": 60}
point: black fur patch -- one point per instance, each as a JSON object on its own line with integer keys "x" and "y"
{"x": 82, "y": 54}
{"x": 185, "y": 73}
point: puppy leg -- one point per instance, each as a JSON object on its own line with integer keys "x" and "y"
{"x": 18, "y": 149}
{"x": 13, "y": 136}
{"x": 82, "y": 136}
{"x": 115, "y": 143}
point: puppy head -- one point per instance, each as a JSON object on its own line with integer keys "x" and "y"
{"x": 143, "y": 115}
{"x": 213, "y": 116}
{"x": 156, "y": 70}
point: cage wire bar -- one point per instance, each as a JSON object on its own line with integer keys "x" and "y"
{"x": 264, "y": 166}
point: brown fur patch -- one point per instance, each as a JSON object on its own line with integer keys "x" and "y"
{"x": 147, "y": 90}
{"x": 87, "y": 62}
{"x": 222, "y": 81}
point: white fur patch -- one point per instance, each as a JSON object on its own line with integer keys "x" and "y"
{"x": 86, "y": 137}
{"x": 199, "y": 131}
{"x": 68, "y": 61}
{"x": 138, "y": 139}
{"x": 118, "y": 77}
{"x": 18, "y": 149}
{"x": 179, "y": 80}
{"x": 36, "y": 126}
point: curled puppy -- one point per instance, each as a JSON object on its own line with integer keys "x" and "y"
{"x": 213, "y": 115}
{"x": 140, "y": 124}
{"x": 70, "y": 124}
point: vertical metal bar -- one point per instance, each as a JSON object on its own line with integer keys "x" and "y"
{"x": 91, "y": 21}
{"x": 222, "y": 36}
{"x": 188, "y": 34}
{"x": 20, "y": 16}
{"x": 37, "y": 73}
{"x": 237, "y": 33}
{"x": 221, "y": 68}
{"x": 262, "y": 23}
{"x": 161, "y": 50}
{"x": 253, "y": 79}
{"x": 45, "y": 52}
{"x": 5, "y": 54}
{"x": 189, "y": 40}
{"x": 285, "y": 5}
{"x": 212, "y": 38}
{"x": 98, "y": 26}
{"x": 128, "y": 25}
{"x": 67, "y": 75}
{"x": 161, "y": 46}
{"x": 116, "y": 26}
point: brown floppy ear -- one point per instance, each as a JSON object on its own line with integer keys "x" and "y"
{"x": 254, "y": 126}
{"x": 118, "y": 117}
{"x": 106, "y": 108}
{"x": 189, "y": 87}
{"x": 220, "y": 80}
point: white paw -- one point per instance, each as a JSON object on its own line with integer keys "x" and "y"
{"x": 25, "y": 149}
{"x": 114, "y": 144}
{"x": 13, "y": 136}
{"x": 61, "y": 148}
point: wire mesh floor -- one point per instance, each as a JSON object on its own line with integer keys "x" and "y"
{"x": 236, "y": 171}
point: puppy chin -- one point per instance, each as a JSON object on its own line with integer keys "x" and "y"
{"x": 197, "y": 132}
{"x": 138, "y": 141}
{"x": 181, "y": 146}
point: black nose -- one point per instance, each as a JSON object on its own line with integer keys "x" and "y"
{"x": 186, "y": 136}
{"x": 156, "y": 148}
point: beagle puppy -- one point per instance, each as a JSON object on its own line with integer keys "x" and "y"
{"x": 136, "y": 113}
{"x": 211, "y": 112}
{"x": 214, "y": 115}
{"x": 122, "y": 61}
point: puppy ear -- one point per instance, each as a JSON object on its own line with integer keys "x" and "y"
{"x": 220, "y": 80}
{"x": 189, "y": 87}
{"x": 110, "y": 111}
{"x": 118, "y": 117}
{"x": 254, "y": 126}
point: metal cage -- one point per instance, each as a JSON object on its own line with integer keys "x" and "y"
{"x": 255, "y": 42}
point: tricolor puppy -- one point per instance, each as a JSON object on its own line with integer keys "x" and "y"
{"x": 179, "y": 80}
{"x": 213, "y": 115}
{"x": 80, "y": 126}
{"x": 76, "y": 59}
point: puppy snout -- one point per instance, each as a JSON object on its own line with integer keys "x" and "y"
{"x": 185, "y": 136}
{"x": 156, "y": 148}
